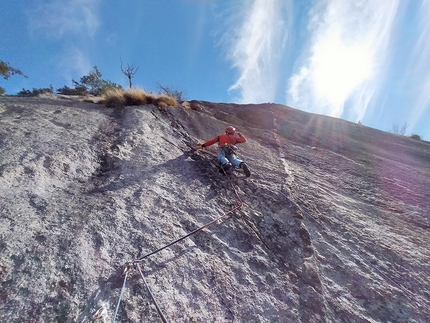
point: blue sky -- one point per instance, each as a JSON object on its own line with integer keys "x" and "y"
{"x": 360, "y": 60}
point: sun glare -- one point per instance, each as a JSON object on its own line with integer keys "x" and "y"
{"x": 338, "y": 69}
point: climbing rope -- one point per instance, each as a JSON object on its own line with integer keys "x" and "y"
{"x": 159, "y": 311}
{"x": 191, "y": 233}
{"x": 137, "y": 261}
{"x": 126, "y": 270}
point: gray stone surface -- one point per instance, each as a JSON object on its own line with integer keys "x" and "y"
{"x": 334, "y": 225}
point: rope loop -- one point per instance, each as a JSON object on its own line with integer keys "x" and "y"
{"x": 137, "y": 261}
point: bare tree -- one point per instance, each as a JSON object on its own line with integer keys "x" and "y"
{"x": 403, "y": 129}
{"x": 129, "y": 72}
{"x": 400, "y": 131}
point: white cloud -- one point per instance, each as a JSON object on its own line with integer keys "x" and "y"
{"x": 349, "y": 40}
{"x": 74, "y": 63}
{"x": 70, "y": 23}
{"x": 256, "y": 43}
{"x": 57, "y": 18}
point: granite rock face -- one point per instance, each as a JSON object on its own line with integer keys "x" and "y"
{"x": 332, "y": 226}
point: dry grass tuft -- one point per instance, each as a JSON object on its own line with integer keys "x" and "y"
{"x": 118, "y": 98}
{"x": 114, "y": 98}
{"x": 166, "y": 101}
{"x": 135, "y": 97}
{"x": 151, "y": 98}
{"x": 92, "y": 99}
{"x": 89, "y": 100}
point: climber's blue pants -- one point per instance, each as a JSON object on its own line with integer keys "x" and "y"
{"x": 223, "y": 158}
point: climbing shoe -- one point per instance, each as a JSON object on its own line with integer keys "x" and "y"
{"x": 228, "y": 168}
{"x": 245, "y": 169}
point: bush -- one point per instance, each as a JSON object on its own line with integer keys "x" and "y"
{"x": 170, "y": 92}
{"x": 414, "y": 136}
{"x": 35, "y": 92}
{"x": 78, "y": 90}
{"x": 118, "y": 98}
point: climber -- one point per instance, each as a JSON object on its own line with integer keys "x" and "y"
{"x": 226, "y": 154}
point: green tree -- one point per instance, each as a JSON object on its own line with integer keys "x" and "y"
{"x": 6, "y": 71}
{"x": 107, "y": 85}
{"x": 93, "y": 83}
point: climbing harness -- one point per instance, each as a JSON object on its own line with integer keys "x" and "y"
{"x": 229, "y": 149}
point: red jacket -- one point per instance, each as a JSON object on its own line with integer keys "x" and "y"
{"x": 225, "y": 139}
